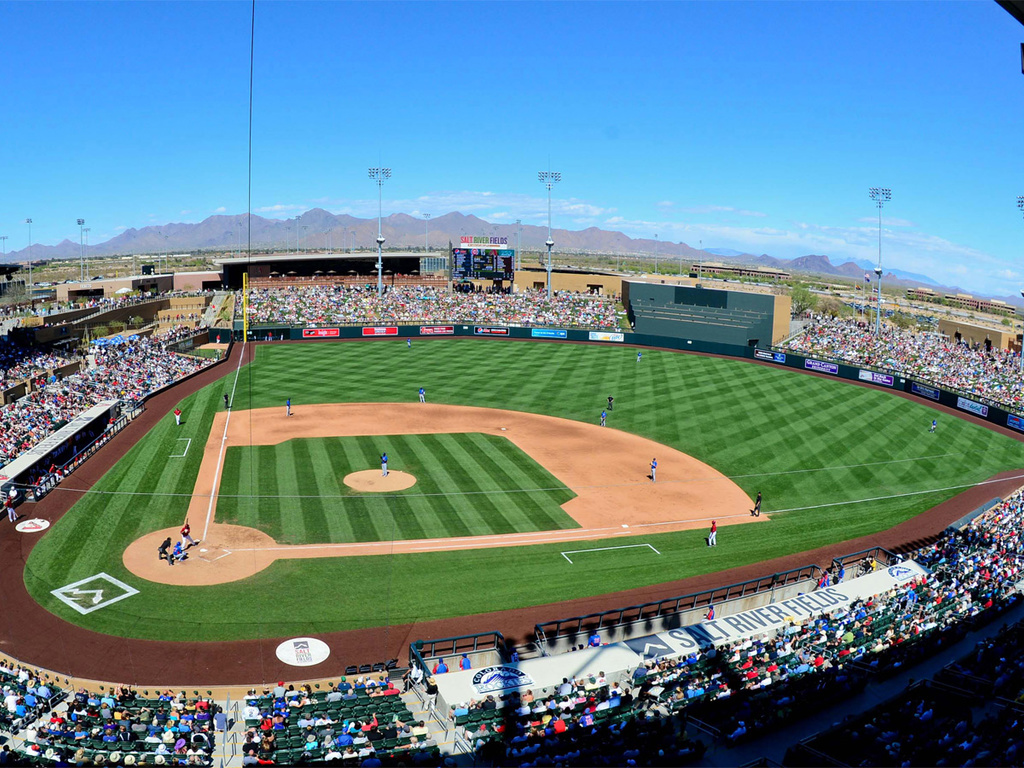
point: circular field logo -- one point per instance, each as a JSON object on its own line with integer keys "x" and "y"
{"x": 303, "y": 651}
{"x": 35, "y": 525}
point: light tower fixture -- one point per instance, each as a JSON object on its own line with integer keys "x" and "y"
{"x": 81, "y": 248}
{"x": 380, "y": 175}
{"x": 549, "y": 179}
{"x": 426, "y": 233}
{"x": 518, "y": 264}
{"x": 86, "y": 231}
{"x": 881, "y": 195}
{"x": 3, "y": 242}
{"x": 29, "y": 222}
{"x": 1020, "y": 207}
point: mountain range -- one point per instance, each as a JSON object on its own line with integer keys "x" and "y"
{"x": 318, "y": 229}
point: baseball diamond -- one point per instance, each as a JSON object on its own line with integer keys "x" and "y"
{"x": 809, "y": 444}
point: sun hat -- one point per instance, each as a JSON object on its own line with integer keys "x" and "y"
{"x": 129, "y": 759}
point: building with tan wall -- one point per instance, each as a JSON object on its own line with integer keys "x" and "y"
{"x": 979, "y": 335}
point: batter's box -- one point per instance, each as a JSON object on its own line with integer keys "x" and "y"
{"x": 93, "y": 593}
{"x": 211, "y": 553}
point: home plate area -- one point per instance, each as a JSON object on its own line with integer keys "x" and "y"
{"x": 210, "y": 552}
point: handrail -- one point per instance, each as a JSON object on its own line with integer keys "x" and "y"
{"x": 575, "y": 625}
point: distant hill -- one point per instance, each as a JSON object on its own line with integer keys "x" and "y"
{"x": 316, "y": 228}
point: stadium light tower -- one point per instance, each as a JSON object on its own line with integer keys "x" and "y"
{"x": 519, "y": 245}
{"x": 549, "y": 179}
{"x": 380, "y": 175}
{"x": 881, "y": 196}
{"x": 655, "y": 254}
{"x": 1020, "y": 207}
{"x": 426, "y": 233}
{"x": 81, "y": 251}
{"x": 29, "y": 222}
{"x": 86, "y": 231}
{"x": 3, "y": 242}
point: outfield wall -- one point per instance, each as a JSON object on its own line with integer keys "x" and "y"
{"x": 923, "y": 389}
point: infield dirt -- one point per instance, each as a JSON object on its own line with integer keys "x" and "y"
{"x": 607, "y": 469}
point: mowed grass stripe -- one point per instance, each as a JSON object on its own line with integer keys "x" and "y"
{"x": 499, "y": 514}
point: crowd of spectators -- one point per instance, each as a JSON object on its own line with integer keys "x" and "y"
{"x": 18, "y": 363}
{"x": 127, "y": 371}
{"x": 118, "y": 726}
{"x": 993, "y": 374}
{"x": 340, "y": 305}
{"x": 359, "y": 723}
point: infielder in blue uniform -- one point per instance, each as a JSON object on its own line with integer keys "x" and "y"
{"x": 383, "y": 465}
{"x": 638, "y": 356}
{"x": 654, "y": 470}
{"x": 423, "y": 395}
{"x": 604, "y": 415}
{"x": 408, "y": 343}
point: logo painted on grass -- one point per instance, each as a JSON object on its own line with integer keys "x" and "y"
{"x": 92, "y": 593}
{"x": 499, "y": 679}
{"x": 303, "y": 651}
{"x": 35, "y": 525}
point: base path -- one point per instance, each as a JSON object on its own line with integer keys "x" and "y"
{"x": 607, "y": 469}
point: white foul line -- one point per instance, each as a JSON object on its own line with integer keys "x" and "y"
{"x": 602, "y": 549}
{"x": 187, "y": 446}
{"x": 223, "y": 443}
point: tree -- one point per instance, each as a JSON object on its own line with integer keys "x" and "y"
{"x": 802, "y": 298}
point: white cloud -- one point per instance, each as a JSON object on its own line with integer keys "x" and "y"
{"x": 184, "y": 213}
{"x": 665, "y": 204}
{"x": 886, "y": 222}
{"x": 120, "y": 228}
{"x": 221, "y": 209}
{"x": 703, "y": 209}
{"x": 281, "y": 208}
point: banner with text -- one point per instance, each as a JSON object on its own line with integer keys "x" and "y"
{"x": 547, "y": 333}
{"x": 820, "y": 367}
{"x": 606, "y": 336}
{"x": 483, "y": 330}
{"x": 320, "y": 333}
{"x": 437, "y": 330}
{"x": 969, "y": 405}
{"x": 921, "y": 389}
{"x": 381, "y": 330}
{"x": 876, "y": 378}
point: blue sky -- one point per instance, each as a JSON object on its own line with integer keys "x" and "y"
{"x": 752, "y": 126}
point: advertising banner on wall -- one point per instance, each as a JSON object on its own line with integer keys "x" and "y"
{"x": 484, "y": 330}
{"x": 547, "y": 333}
{"x": 820, "y": 367}
{"x": 606, "y": 336}
{"x": 320, "y": 333}
{"x": 921, "y": 389}
{"x": 1016, "y": 422}
{"x": 437, "y": 330}
{"x": 381, "y": 330}
{"x": 876, "y": 378}
{"x": 969, "y": 405}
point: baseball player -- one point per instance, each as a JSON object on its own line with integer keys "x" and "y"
{"x": 638, "y": 356}
{"x": 935, "y": 423}
{"x": 177, "y": 416}
{"x": 611, "y": 401}
{"x": 604, "y": 417}
{"x": 288, "y": 407}
{"x": 186, "y": 535}
{"x": 713, "y": 535}
{"x": 757, "y": 506}
{"x": 408, "y": 343}
{"x": 423, "y": 395}
{"x": 384, "y": 465}
{"x": 12, "y": 515}
{"x": 227, "y": 403}
{"x": 654, "y": 470}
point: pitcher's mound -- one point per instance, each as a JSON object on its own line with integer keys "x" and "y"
{"x": 371, "y": 481}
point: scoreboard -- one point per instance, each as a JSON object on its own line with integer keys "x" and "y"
{"x": 473, "y": 260}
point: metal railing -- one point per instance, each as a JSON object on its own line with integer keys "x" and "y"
{"x": 421, "y": 650}
{"x": 549, "y": 631}
{"x": 879, "y": 555}
{"x": 46, "y": 484}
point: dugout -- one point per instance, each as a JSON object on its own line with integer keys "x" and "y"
{"x": 737, "y": 318}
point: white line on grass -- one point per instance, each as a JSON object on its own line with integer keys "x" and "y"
{"x": 187, "y": 446}
{"x": 605, "y": 549}
{"x": 223, "y": 443}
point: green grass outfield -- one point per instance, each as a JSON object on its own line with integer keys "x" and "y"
{"x": 820, "y": 451}
{"x": 462, "y": 489}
